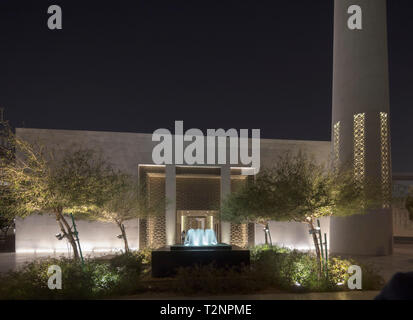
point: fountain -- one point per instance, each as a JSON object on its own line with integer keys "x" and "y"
{"x": 200, "y": 247}
{"x": 200, "y": 237}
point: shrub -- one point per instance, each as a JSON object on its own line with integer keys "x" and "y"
{"x": 338, "y": 271}
{"x": 94, "y": 279}
{"x": 145, "y": 256}
{"x": 297, "y": 270}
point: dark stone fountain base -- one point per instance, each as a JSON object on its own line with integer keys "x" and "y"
{"x": 166, "y": 261}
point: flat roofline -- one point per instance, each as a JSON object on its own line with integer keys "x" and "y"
{"x": 402, "y": 176}
{"x": 263, "y": 140}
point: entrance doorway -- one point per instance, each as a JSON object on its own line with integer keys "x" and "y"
{"x": 196, "y": 219}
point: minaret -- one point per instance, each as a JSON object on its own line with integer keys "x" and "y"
{"x": 360, "y": 122}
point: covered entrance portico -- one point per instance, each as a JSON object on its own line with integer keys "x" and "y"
{"x": 193, "y": 195}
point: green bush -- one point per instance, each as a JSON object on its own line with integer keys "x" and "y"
{"x": 94, "y": 279}
{"x": 274, "y": 267}
{"x": 296, "y": 270}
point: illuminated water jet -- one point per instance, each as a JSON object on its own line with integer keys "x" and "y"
{"x": 200, "y": 237}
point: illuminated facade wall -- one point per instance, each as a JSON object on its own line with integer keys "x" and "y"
{"x": 129, "y": 152}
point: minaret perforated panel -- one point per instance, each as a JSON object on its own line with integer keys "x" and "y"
{"x": 385, "y": 159}
{"x": 336, "y": 145}
{"x": 359, "y": 146}
{"x": 360, "y": 130}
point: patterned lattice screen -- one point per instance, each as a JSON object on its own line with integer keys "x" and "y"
{"x": 156, "y": 233}
{"x": 197, "y": 193}
{"x": 385, "y": 159}
{"x": 359, "y": 146}
{"x": 336, "y": 145}
{"x": 242, "y": 235}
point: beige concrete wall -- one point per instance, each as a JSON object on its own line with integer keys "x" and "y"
{"x": 125, "y": 151}
{"x": 293, "y": 235}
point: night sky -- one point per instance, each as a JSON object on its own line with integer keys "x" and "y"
{"x": 139, "y": 65}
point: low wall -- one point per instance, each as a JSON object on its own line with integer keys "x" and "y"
{"x": 291, "y": 234}
{"x": 36, "y": 234}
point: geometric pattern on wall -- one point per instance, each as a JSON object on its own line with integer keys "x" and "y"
{"x": 156, "y": 231}
{"x": 385, "y": 159}
{"x": 143, "y": 233}
{"x": 242, "y": 235}
{"x": 197, "y": 193}
{"x": 336, "y": 145}
{"x": 359, "y": 146}
{"x": 239, "y": 234}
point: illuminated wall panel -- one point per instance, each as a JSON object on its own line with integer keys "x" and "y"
{"x": 359, "y": 146}
{"x": 336, "y": 145}
{"x": 385, "y": 158}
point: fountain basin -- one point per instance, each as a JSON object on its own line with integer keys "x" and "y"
{"x": 167, "y": 260}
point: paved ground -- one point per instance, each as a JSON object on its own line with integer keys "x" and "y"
{"x": 353, "y": 295}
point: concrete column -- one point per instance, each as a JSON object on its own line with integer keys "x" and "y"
{"x": 225, "y": 190}
{"x": 361, "y": 86}
{"x": 170, "y": 210}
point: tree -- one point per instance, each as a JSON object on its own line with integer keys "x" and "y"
{"x": 41, "y": 180}
{"x": 7, "y": 210}
{"x": 127, "y": 201}
{"x": 297, "y": 189}
{"x": 7, "y": 203}
{"x": 253, "y": 203}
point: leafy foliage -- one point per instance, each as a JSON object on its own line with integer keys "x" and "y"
{"x": 298, "y": 189}
{"x": 42, "y": 179}
{"x": 94, "y": 279}
{"x": 126, "y": 200}
{"x": 273, "y": 267}
{"x": 58, "y": 181}
{"x": 295, "y": 270}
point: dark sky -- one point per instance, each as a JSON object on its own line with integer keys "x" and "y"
{"x": 139, "y": 65}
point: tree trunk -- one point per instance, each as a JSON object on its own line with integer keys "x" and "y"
{"x": 125, "y": 239}
{"x": 268, "y": 240}
{"x": 269, "y": 233}
{"x": 317, "y": 247}
{"x": 266, "y": 235}
{"x": 67, "y": 231}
